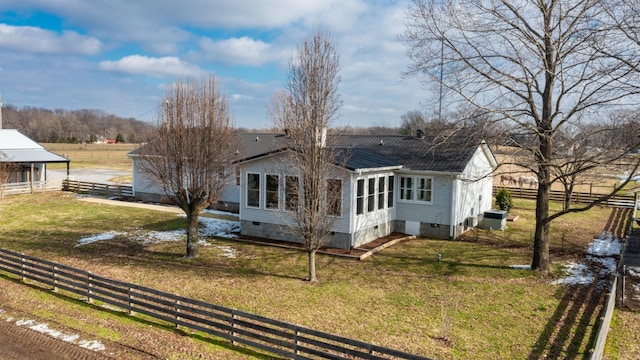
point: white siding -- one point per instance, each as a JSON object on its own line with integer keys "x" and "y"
{"x": 474, "y": 188}
{"x": 141, "y": 181}
{"x": 272, "y": 166}
{"x": 379, "y": 216}
{"x": 436, "y": 212}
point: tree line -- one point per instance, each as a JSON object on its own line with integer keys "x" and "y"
{"x": 74, "y": 126}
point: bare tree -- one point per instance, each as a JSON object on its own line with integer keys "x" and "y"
{"x": 538, "y": 67}
{"x": 304, "y": 111}
{"x": 193, "y": 149}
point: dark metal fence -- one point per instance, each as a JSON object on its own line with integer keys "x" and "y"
{"x": 274, "y": 336}
{"x": 107, "y": 190}
{"x": 576, "y": 197}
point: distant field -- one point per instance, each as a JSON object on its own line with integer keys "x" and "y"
{"x": 93, "y": 155}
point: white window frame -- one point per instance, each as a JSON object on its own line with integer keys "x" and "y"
{"x": 381, "y": 192}
{"x": 287, "y": 192}
{"x": 259, "y": 190}
{"x": 361, "y": 198}
{"x": 267, "y": 192}
{"x": 415, "y": 180}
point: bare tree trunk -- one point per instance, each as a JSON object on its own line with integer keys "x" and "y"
{"x": 540, "y": 259}
{"x": 312, "y": 264}
{"x": 192, "y": 235}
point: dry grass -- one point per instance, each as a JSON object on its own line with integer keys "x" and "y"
{"x": 469, "y": 305}
{"x": 623, "y": 340}
{"x": 101, "y": 156}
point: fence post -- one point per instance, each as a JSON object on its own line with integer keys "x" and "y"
{"x": 129, "y": 306}
{"x": 54, "y": 278}
{"x": 233, "y": 325}
{"x": 89, "y": 286}
{"x": 177, "y": 311}
{"x": 624, "y": 287}
{"x": 22, "y": 266}
{"x": 296, "y": 342}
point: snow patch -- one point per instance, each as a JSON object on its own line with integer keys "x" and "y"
{"x": 606, "y": 245}
{"x": 602, "y": 254}
{"x": 209, "y": 227}
{"x": 633, "y": 271}
{"x": 44, "y": 328}
{"x": 522, "y": 267}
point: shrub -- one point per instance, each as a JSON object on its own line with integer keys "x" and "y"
{"x": 503, "y": 200}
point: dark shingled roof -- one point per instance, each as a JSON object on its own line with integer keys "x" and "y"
{"x": 414, "y": 153}
{"x": 356, "y": 158}
{"x": 374, "y": 151}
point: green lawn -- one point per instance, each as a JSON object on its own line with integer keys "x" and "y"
{"x": 471, "y": 304}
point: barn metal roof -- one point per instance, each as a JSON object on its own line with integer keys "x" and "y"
{"x": 16, "y": 147}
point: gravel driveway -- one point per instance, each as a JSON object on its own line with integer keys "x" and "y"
{"x": 89, "y": 175}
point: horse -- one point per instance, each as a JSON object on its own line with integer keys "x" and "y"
{"x": 505, "y": 178}
{"x": 528, "y": 180}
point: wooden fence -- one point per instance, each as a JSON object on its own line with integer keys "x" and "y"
{"x": 239, "y": 327}
{"x": 577, "y": 197}
{"x": 29, "y": 187}
{"x": 91, "y": 188}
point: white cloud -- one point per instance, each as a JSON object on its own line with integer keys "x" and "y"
{"x": 152, "y": 66}
{"x": 32, "y": 39}
{"x": 237, "y": 51}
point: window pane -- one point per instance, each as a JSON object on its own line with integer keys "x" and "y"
{"x": 381, "y": 193}
{"x": 371, "y": 195}
{"x": 291, "y": 193}
{"x": 272, "y": 192}
{"x": 390, "y": 192}
{"x": 424, "y": 189}
{"x": 360, "y": 197}
{"x": 406, "y": 188}
{"x": 253, "y": 190}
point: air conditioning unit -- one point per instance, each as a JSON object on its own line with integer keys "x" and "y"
{"x": 472, "y": 221}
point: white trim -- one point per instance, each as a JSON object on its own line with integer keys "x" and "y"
{"x": 414, "y": 189}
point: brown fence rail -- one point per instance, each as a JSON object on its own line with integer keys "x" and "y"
{"x": 91, "y": 188}
{"x": 577, "y": 197}
{"x": 274, "y": 336}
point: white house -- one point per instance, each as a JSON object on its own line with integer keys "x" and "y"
{"x": 388, "y": 183}
{"x": 28, "y": 158}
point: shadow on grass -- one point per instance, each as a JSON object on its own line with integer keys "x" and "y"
{"x": 572, "y": 330}
{"x": 146, "y": 321}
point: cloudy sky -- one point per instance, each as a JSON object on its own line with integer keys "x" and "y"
{"x": 118, "y": 55}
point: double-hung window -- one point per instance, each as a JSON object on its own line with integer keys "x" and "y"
{"x": 291, "y": 193}
{"x": 253, "y": 190}
{"x": 272, "y": 191}
{"x": 424, "y": 190}
{"x": 390, "y": 189}
{"x": 416, "y": 188}
{"x": 371, "y": 195}
{"x": 406, "y": 188}
{"x": 381, "y": 193}
{"x": 360, "y": 197}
